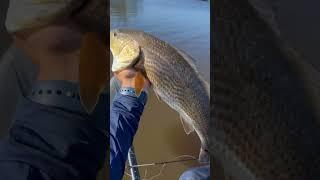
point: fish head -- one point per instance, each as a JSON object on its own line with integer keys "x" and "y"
{"x": 125, "y": 50}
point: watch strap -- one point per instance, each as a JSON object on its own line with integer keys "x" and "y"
{"x": 57, "y": 93}
{"x": 132, "y": 92}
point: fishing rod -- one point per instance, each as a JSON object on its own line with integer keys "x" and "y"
{"x": 134, "y": 170}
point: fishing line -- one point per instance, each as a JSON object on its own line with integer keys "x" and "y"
{"x": 145, "y": 173}
{"x": 159, "y": 163}
{"x": 159, "y": 174}
{"x": 164, "y": 164}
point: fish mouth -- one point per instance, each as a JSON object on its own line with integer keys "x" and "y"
{"x": 135, "y": 64}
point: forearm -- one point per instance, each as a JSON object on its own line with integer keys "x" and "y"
{"x": 125, "y": 116}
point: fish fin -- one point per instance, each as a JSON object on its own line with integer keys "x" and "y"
{"x": 127, "y": 56}
{"x": 157, "y": 95}
{"x": 93, "y": 68}
{"x": 204, "y": 156}
{"x": 139, "y": 83}
{"x": 188, "y": 127}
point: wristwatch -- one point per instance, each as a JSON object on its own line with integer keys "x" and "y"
{"x": 57, "y": 93}
{"x": 132, "y": 92}
{"x": 65, "y": 95}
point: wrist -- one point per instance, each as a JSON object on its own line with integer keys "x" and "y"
{"x": 56, "y": 93}
{"x": 127, "y": 84}
{"x": 142, "y": 97}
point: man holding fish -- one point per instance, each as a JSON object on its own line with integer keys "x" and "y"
{"x": 174, "y": 79}
{"x": 59, "y": 132}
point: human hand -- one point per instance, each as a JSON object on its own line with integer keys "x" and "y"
{"x": 132, "y": 78}
{"x": 53, "y": 44}
{"x": 67, "y": 42}
{"x": 54, "y": 49}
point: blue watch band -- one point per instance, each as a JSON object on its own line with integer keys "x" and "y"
{"x": 131, "y": 92}
{"x": 128, "y": 91}
{"x": 61, "y": 94}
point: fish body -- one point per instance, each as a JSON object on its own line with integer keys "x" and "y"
{"x": 173, "y": 76}
{"x": 264, "y": 126}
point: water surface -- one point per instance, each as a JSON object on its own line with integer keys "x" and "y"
{"x": 183, "y": 23}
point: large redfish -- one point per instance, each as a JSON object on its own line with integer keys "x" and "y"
{"x": 173, "y": 75}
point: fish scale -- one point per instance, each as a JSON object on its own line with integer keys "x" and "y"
{"x": 174, "y": 79}
{"x": 263, "y": 125}
{"x": 176, "y": 93}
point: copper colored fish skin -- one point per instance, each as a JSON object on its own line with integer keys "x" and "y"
{"x": 174, "y": 79}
